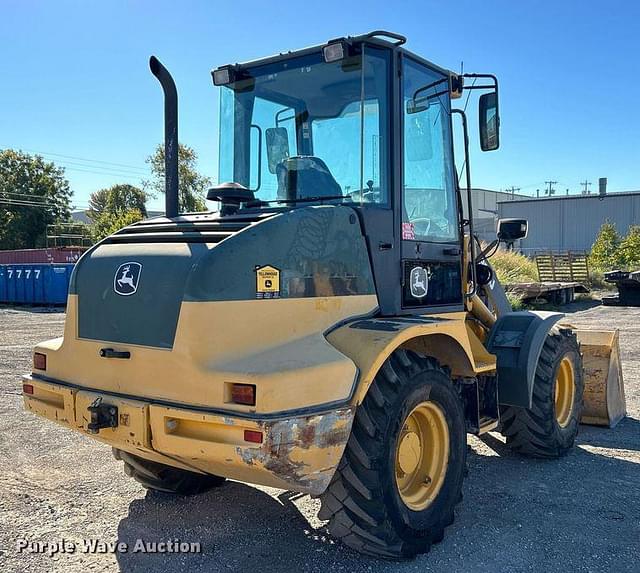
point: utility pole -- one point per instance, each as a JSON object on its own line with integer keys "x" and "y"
{"x": 586, "y": 184}
{"x": 513, "y": 190}
{"x": 551, "y": 190}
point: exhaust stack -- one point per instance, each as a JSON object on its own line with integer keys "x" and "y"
{"x": 170, "y": 135}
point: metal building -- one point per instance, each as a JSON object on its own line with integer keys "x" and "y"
{"x": 485, "y": 210}
{"x": 571, "y": 223}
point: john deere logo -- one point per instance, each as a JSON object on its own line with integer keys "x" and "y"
{"x": 419, "y": 282}
{"x": 126, "y": 279}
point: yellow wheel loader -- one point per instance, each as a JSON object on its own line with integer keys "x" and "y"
{"x": 334, "y": 328}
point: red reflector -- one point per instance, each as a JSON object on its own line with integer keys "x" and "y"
{"x": 243, "y": 394}
{"x": 27, "y": 389}
{"x": 39, "y": 361}
{"x": 253, "y": 436}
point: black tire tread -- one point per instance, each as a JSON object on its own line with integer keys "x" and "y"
{"x": 353, "y": 501}
{"x": 168, "y": 479}
{"x": 533, "y": 432}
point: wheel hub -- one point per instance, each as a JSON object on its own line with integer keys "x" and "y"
{"x": 422, "y": 455}
{"x": 409, "y": 452}
{"x": 565, "y": 390}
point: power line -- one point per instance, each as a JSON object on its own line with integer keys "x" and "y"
{"x": 29, "y": 195}
{"x": 86, "y": 159}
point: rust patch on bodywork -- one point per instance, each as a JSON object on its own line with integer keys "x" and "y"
{"x": 304, "y": 452}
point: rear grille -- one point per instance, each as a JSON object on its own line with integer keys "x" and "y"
{"x": 203, "y": 228}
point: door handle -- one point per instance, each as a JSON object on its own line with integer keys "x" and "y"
{"x": 385, "y": 246}
{"x": 452, "y": 251}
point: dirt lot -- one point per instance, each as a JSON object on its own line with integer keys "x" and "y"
{"x": 581, "y": 513}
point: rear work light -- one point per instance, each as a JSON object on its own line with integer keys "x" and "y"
{"x": 39, "y": 361}
{"x": 335, "y": 51}
{"x": 243, "y": 394}
{"x": 224, "y": 75}
{"x": 27, "y": 388}
{"x": 253, "y": 436}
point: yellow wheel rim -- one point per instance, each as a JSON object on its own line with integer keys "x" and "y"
{"x": 422, "y": 455}
{"x": 565, "y": 391}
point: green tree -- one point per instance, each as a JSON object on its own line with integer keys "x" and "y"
{"x": 33, "y": 194}
{"x": 117, "y": 199}
{"x": 629, "y": 251}
{"x": 108, "y": 223}
{"x": 605, "y": 254}
{"x": 191, "y": 186}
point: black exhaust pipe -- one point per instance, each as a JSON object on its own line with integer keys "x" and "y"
{"x": 170, "y": 135}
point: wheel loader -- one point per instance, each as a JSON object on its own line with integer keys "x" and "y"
{"x": 334, "y": 327}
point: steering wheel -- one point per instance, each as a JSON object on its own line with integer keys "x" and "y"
{"x": 417, "y": 223}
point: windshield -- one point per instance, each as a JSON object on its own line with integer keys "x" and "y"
{"x": 304, "y": 129}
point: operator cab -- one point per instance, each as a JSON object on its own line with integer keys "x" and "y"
{"x": 359, "y": 122}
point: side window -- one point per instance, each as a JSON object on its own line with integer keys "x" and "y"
{"x": 429, "y": 197}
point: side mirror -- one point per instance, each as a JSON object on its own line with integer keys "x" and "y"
{"x": 277, "y": 141}
{"x": 489, "y": 122}
{"x": 510, "y": 230}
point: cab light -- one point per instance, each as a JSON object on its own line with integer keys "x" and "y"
{"x": 334, "y": 51}
{"x": 253, "y": 436}
{"x": 224, "y": 75}
{"x": 27, "y": 388}
{"x": 243, "y": 394}
{"x": 39, "y": 361}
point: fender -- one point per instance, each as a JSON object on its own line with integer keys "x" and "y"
{"x": 517, "y": 339}
{"x": 369, "y": 342}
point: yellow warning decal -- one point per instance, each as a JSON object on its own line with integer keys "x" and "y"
{"x": 267, "y": 282}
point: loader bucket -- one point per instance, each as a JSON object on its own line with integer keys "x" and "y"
{"x": 604, "y": 402}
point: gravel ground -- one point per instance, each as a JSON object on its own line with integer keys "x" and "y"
{"x": 581, "y": 513}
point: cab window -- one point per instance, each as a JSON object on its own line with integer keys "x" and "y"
{"x": 429, "y": 197}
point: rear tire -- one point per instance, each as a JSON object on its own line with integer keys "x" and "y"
{"x": 167, "y": 479}
{"x": 363, "y": 503}
{"x": 549, "y": 428}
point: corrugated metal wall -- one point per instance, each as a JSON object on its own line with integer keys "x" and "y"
{"x": 485, "y": 210}
{"x": 572, "y": 223}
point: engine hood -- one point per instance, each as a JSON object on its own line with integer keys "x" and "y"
{"x": 131, "y": 286}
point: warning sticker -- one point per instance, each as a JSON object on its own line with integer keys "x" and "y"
{"x": 408, "y": 232}
{"x": 267, "y": 282}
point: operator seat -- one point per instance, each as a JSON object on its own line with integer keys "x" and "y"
{"x": 304, "y": 177}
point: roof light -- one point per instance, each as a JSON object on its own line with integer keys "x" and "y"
{"x": 223, "y": 76}
{"x": 335, "y": 51}
{"x": 39, "y": 361}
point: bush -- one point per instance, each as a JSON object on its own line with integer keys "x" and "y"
{"x": 605, "y": 252}
{"x": 511, "y": 267}
{"x": 108, "y": 223}
{"x": 629, "y": 250}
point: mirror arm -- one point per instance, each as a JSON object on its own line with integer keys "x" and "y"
{"x": 472, "y": 242}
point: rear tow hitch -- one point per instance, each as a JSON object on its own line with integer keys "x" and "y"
{"x": 102, "y": 416}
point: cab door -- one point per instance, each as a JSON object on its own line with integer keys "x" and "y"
{"x": 431, "y": 261}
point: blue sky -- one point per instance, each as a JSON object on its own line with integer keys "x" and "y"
{"x": 75, "y": 79}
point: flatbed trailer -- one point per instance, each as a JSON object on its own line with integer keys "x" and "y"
{"x": 553, "y": 292}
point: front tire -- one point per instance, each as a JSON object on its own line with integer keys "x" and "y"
{"x": 167, "y": 479}
{"x": 549, "y": 428}
{"x": 401, "y": 475}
